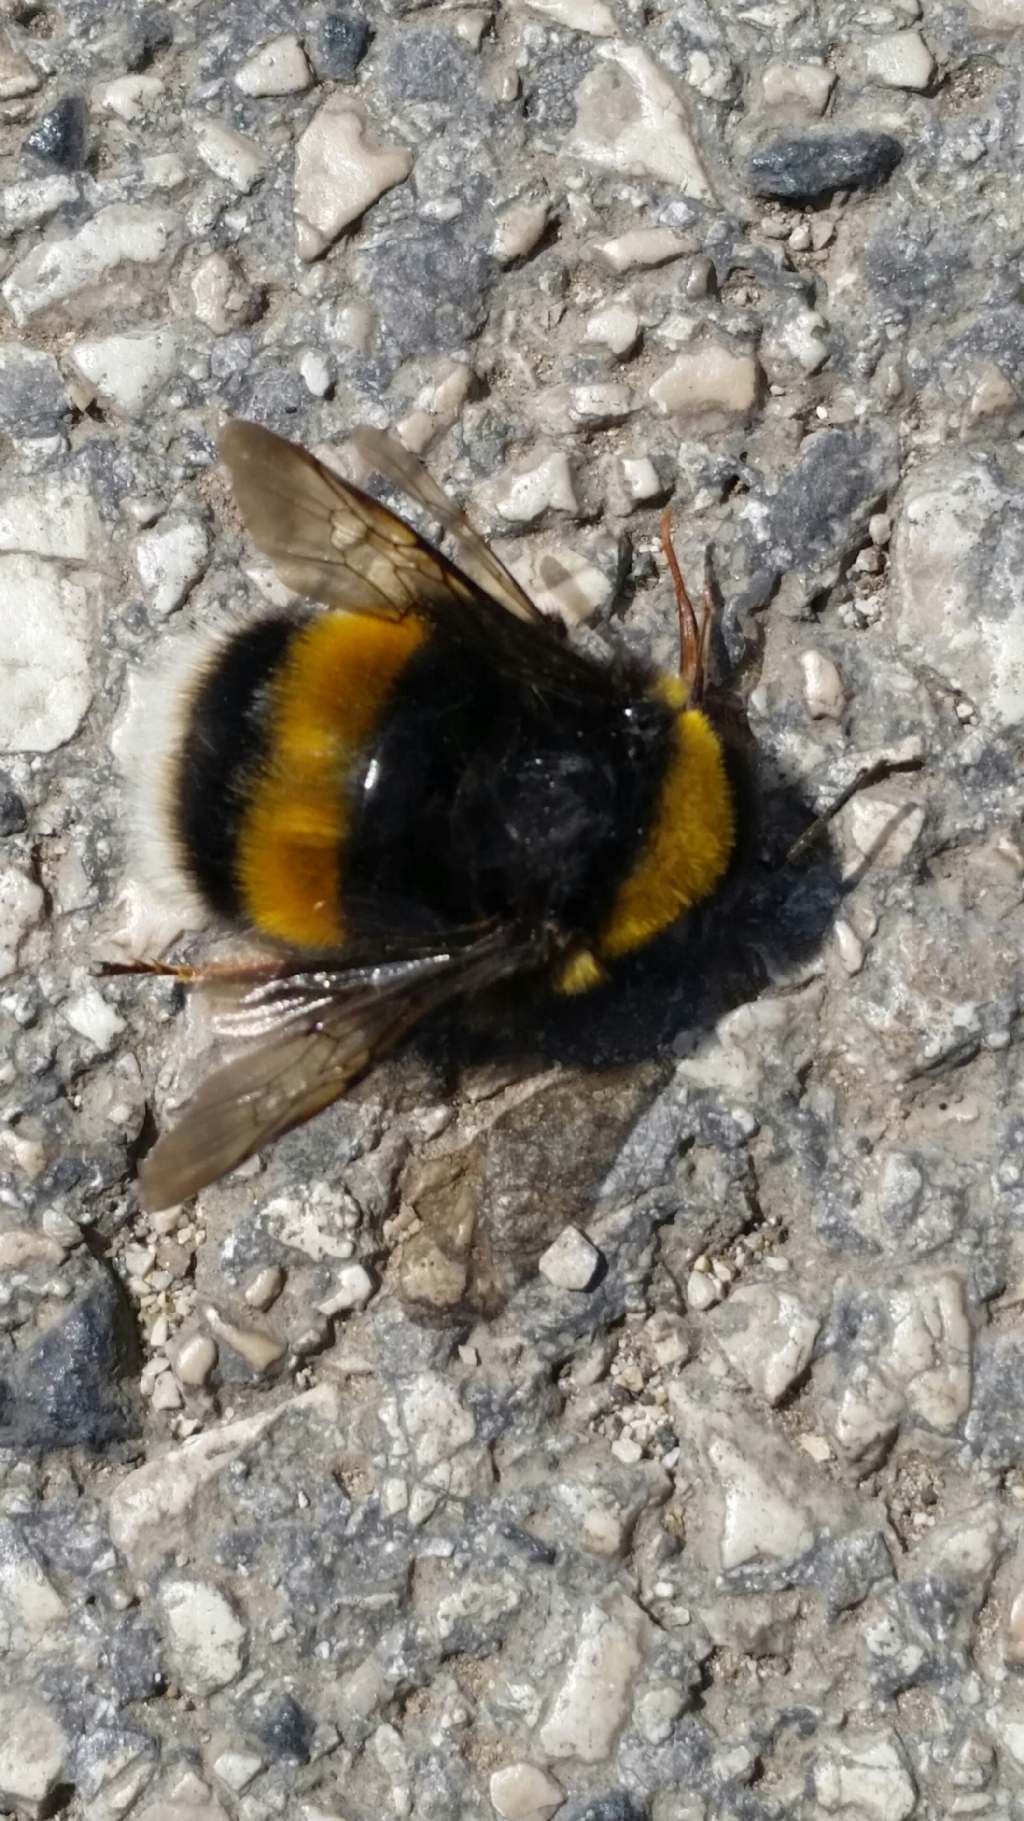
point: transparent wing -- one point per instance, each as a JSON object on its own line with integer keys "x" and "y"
{"x": 325, "y": 538}
{"x": 332, "y": 542}
{"x": 303, "y": 1034}
{"x": 328, "y": 539}
{"x": 474, "y": 556}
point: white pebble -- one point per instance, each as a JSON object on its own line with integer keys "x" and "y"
{"x": 127, "y": 372}
{"x": 517, "y": 231}
{"x": 823, "y": 686}
{"x": 316, "y": 373}
{"x": 194, "y": 1360}
{"x": 524, "y": 1792}
{"x": 222, "y": 297}
{"x": 353, "y": 1288}
{"x": 129, "y": 96}
{"x": 591, "y": 16}
{"x": 629, "y": 119}
{"x": 33, "y": 1744}
{"x": 640, "y": 477}
{"x": 277, "y": 68}
{"x": 265, "y": 1287}
{"x": 849, "y": 946}
{"x": 27, "y": 204}
{"x": 339, "y": 171}
{"x": 803, "y": 85}
{"x": 230, "y": 155}
{"x": 571, "y": 1261}
{"x": 170, "y": 561}
{"x": 713, "y": 379}
{"x": 45, "y": 687}
{"x": 616, "y": 327}
{"x": 642, "y": 247}
{"x": 95, "y": 1020}
{"x": 524, "y": 496}
{"x": 165, "y": 1394}
{"x": 17, "y": 75}
{"x": 900, "y": 60}
{"x": 626, "y": 1450}
{"x": 702, "y": 1291}
{"x": 237, "y": 1769}
{"x": 56, "y": 271}
{"x": 205, "y": 1634}
{"x": 591, "y": 1700}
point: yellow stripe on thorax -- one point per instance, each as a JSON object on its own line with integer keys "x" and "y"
{"x": 685, "y": 856}
{"x": 325, "y": 702}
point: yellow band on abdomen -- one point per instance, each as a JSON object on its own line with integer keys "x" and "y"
{"x": 689, "y": 844}
{"x": 326, "y": 700}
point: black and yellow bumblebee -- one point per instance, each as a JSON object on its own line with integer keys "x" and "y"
{"x": 408, "y": 793}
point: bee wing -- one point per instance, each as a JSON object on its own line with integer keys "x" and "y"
{"x": 328, "y": 539}
{"x": 305, "y": 1034}
{"x": 332, "y": 542}
{"x": 475, "y": 557}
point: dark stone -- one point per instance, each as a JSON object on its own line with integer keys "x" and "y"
{"x": 63, "y": 1391}
{"x": 994, "y": 1430}
{"x": 430, "y": 288}
{"x": 285, "y": 1729}
{"x": 32, "y": 400}
{"x": 60, "y": 140}
{"x": 337, "y": 45}
{"x": 13, "y": 814}
{"x": 798, "y": 167}
{"x": 823, "y": 504}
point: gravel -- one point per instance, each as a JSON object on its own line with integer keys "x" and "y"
{"x": 614, "y": 1415}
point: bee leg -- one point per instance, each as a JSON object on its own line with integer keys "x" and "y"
{"x": 872, "y": 774}
{"x": 217, "y": 972}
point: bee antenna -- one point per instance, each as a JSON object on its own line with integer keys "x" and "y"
{"x": 694, "y": 636}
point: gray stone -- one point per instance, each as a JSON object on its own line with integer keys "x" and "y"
{"x": 32, "y": 397}
{"x": 60, "y": 140}
{"x": 337, "y": 44}
{"x": 801, "y": 167}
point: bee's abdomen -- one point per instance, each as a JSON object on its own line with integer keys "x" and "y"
{"x": 278, "y": 728}
{"x": 225, "y": 745}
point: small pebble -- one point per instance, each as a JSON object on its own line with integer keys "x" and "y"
{"x": 900, "y": 60}
{"x": 571, "y": 1261}
{"x": 353, "y": 1289}
{"x": 641, "y": 247}
{"x": 316, "y": 372}
{"x": 337, "y": 43}
{"x": 702, "y": 1291}
{"x": 232, "y": 156}
{"x": 616, "y": 327}
{"x": 823, "y": 686}
{"x": 518, "y": 230}
{"x": 523, "y": 1792}
{"x": 194, "y": 1360}
{"x": 627, "y": 1451}
{"x": 849, "y": 946}
{"x": 261, "y": 1351}
{"x": 277, "y": 68}
{"x": 265, "y": 1288}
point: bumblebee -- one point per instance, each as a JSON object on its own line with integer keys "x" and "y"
{"x": 408, "y": 793}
